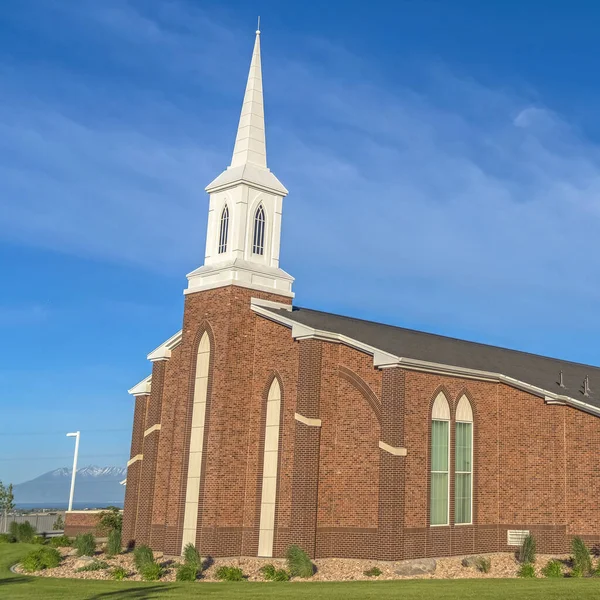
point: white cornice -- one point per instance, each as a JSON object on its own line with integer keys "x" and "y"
{"x": 270, "y": 304}
{"x": 163, "y": 352}
{"x": 383, "y": 360}
{"x": 142, "y": 388}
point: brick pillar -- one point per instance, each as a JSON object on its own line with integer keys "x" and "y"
{"x": 392, "y": 466}
{"x": 306, "y": 447}
{"x": 150, "y": 451}
{"x": 134, "y": 470}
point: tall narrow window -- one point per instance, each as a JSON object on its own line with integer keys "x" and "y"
{"x": 224, "y": 230}
{"x": 258, "y": 240}
{"x": 440, "y": 461}
{"x": 269, "y": 480}
{"x": 463, "y": 464}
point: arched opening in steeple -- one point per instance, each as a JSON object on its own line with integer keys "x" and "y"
{"x": 223, "y": 230}
{"x": 258, "y": 239}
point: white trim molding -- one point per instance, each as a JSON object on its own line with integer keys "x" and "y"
{"x": 163, "y": 352}
{"x": 392, "y": 449}
{"x": 270, "y": 304}
{"x": 142, "y": 388}
{"x": 307, "y": 421}
{"x": 152, "y": 429}
{"x": 135, "y": 459}
{"x": 385, "y": 360}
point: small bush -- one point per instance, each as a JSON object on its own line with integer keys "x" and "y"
{"x": 270, "y": 573}
{"x": 142, "y": 555}
{"x": 187, "y": 572}
{"x": 582, "y": 559}
{"x": 97, "y": 565}
{"x": 119, "y": 573}
{"x": 552, "y": 569}
{"x": 13, "y": 529}
{"x": 151, "y": 571}
{"x": 527, "y": 551}
{"x": 373, "y": 572}
{"x": 230, "y": 574}
{"x": 85, "y": 544}
{"x": 59, "y": 524}
{"x": 39, "y": 540}
{"x": 113, "y": 546}
{"x": 526, "y": 570}
{"x": 299, "y": 563}
{"x": 109, "y": 520}
{"x": 576, "y": 572}
{"x": 25, "y": 532}
{"x": 41, "y": 558}
{"x": 191, "y": 556}
{"x": 6, "y": 538}
{"x": 60, "y": 541}
{"x": 483, "y": 564}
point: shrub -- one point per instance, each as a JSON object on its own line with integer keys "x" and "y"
{"x": 270, "y": 573}
{"x": 230, "y": 574}
{"x": 191, "y": 556}
{"x": 25, "y": 532}
{"x": 526, "y": 570}
{"x": 13, "y": 529}
{"x": 582, "y": 559}
{"x": 187, "y": 572}
{"x": 142, "y": 555}
{"x": 109, "y": 520}
{"x": 299, "y": 564}
{"x": 39, "y": 540}
{"x": 527, "y": 551}
{"x": 552, "y": 569}
{"x": 60, "y": 541}
{"x": 119, "y": 573}
{"x": 85, "y": 544}
{"x": 59, "y": 524}
{"x": 96, "y": 565}
{"x": 576, "y": 572}
{"x": 41, "y": 558}
{"x": 6, "y": 538}
{"x": 483, "y": 564}
{"x": 151, "y": 571}
{"x": 373, "y": 572}
{"x": 113, "y": 546}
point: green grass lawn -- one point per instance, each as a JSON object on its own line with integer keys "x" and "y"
{"x": 17, "y": 587}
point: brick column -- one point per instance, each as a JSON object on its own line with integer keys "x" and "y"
{"x": 134, "y": 469}
{"x": 306, "y": 447}
{"x": 392, "y": 466}
{"x": 150, "y": 451}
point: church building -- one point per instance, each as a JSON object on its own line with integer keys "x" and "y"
{"x": 263, "y": 424}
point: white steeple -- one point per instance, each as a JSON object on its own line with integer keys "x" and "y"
{"x": 244, "y": 220}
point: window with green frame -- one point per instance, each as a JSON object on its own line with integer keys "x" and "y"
{"x": 463, "y": 463}
{"x": 440, "y": 462}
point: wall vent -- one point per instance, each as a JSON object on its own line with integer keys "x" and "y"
{"x": 516, "y": 537}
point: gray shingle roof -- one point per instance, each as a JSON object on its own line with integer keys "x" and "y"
{"x": 532, "y": 369}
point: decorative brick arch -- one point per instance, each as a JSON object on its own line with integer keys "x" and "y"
{"x": 359, "y": 384}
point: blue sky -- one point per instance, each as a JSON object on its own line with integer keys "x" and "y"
{"x": 442, "y": 160}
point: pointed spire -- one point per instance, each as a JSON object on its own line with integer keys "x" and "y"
{"x": 250, "y": 146}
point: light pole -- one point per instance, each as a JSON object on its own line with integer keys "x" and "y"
{"x": 76, "y": 436}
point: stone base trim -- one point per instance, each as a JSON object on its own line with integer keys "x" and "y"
{"x": 135, "y": 459}
{"x": 392, "y": 449}
{"x": 152, "y": 429}
{"x": 307, "y": 421}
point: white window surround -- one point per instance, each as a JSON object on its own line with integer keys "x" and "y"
{"x": 223, "y": 230}
{"x": 194, "y": 471}
{"x": 441, "y": 413}
{"x": 269, "y": 478}
{"x": 259, "y": 230}
{"x": 464, "y": 414}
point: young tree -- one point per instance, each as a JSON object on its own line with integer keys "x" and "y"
{"x": 7, "y": 501}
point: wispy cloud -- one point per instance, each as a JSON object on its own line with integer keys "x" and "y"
{"x": 446, "y": 200}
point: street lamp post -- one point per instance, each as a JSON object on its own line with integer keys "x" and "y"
{"x": 76, "y": 436}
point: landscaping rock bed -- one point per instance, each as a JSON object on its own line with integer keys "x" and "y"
{"x": 328, "y": 569}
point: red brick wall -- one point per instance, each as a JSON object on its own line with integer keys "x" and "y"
{"x": 81, "y": 522}
{"x": 338, "y": 493}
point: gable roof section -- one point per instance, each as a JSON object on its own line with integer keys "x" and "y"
{"x": 392, "y": 345}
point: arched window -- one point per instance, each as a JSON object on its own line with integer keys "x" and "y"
{"x": 190, "y": 516}
{"x": 258, "y": 240}
{"x": 223, "y": 230}
{"x": 269, "y": 480}
{"x": 463, "y": 463}
{"x": 440, "y": 462}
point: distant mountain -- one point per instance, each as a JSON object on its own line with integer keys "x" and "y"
{"x": 96, "y": 486}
